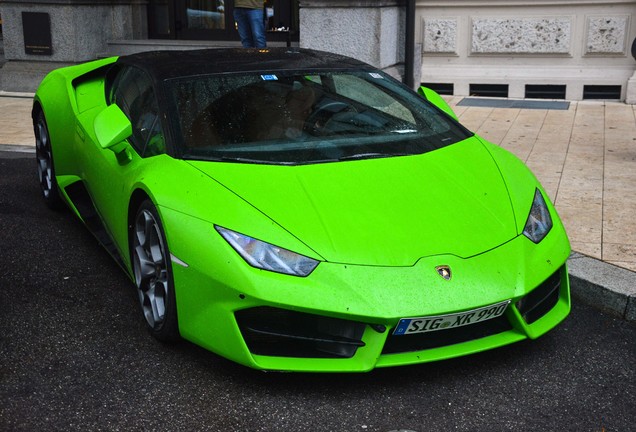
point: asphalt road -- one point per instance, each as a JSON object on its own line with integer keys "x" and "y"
{"x": 74, "y": 355}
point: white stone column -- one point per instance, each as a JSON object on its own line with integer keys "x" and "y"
{"x": 630, "y": 98}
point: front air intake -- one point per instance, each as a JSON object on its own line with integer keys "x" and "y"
{"x": 277, "y": 332}
{"x": 541, "y": 299}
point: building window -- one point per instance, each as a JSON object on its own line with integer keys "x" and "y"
{"x": 214, "y": 20}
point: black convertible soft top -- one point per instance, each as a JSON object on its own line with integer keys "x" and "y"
{"x": 162, "y": 65}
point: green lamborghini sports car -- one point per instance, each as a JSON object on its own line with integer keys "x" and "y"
{"x": 297, "y": 210}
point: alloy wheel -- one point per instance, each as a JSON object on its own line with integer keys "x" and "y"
{"x": 150, "y": 268}
{"x": 44, "y": 158}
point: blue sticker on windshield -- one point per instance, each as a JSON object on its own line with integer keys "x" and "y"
{"x": 376, "y": 75}
{"x": 269, "y": 77}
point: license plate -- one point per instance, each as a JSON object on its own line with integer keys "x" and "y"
{"x": 408, "y": 326}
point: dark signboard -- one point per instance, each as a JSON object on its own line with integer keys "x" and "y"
{"x": 36, "y": 27}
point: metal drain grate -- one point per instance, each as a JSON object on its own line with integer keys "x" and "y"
{"x": 441, "y": 88}
{"x": 489, "y": 90}
{"x": 545, "y": 91}
{"x": 610, "y": 92}
{"x": 512, "y": 103}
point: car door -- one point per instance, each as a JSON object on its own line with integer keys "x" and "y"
{"x": 111, "y": 173}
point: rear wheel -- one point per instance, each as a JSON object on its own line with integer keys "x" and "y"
{"x": 44, "y": 156}
{"x": 153, "y": 274}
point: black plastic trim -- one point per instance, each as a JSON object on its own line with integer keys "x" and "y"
{"x": 80, "y": 198}
{"x": 278, "y": 332}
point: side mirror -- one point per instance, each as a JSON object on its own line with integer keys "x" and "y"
{"x": 434, "y": 98}
{"x": 111, "y": 127}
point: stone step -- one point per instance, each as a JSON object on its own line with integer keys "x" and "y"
{"x": 25, "y": 76}
{"x": 125, "y": 47}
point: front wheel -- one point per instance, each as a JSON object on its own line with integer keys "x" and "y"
{"x": 44, "y": 156}
{"x": 153, "y": 274}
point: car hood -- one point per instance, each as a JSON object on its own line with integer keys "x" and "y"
{"x": 387, "y": 211}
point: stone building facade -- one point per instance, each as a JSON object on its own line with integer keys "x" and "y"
{"x": 523, "y": 48}
{"x": 559, "y": 49}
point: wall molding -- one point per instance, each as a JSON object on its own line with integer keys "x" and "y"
{"x": 526, "y": 35}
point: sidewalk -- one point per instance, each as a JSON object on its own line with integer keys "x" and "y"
{"x": 16, "y": 127}
{"x": 585, "y": 157}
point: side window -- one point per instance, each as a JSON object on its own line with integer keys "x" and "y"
{"x": 132, "y": 91}
{"x": 362, "y": 91}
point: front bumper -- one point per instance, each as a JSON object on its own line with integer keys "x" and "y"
{"x": 341, "y": 317}
{"x": 315, "y": 343}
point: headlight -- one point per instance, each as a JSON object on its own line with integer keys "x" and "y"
{"x": 268, "y": 257}
{"x": 539, "y": 221}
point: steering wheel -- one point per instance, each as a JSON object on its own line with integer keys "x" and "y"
{"x": 318, "y": 119}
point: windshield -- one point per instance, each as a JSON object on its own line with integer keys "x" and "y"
{"x": 300, "y": 118}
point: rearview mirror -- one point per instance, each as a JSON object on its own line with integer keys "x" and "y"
{"x": 434, "y": 98}
{"x": 111, "y": 127}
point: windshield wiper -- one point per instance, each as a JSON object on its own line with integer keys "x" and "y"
{"x": 255, "y": 161}
{"x": 371, "y": 156}
{"x": 211, "y": 158}
{"x": 404, "y": 131}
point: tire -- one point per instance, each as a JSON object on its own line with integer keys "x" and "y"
{"x": 153, "y": 274}
{"x": 45, "y": 168}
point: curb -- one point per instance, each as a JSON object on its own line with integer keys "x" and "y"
{"x": 604, "y": 286}
{"x": 12, "y": 148}
{"x": 19, "y": 95}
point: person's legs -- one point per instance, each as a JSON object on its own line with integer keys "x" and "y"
{"x": 257, "y": 25}
{"x": 243, "y": 21}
